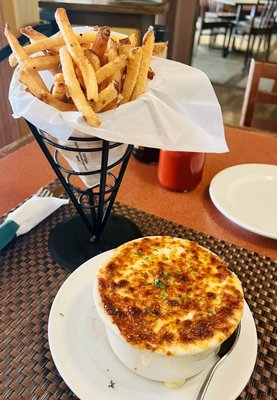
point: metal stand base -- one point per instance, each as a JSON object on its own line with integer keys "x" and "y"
{"x": 70, "y": 245}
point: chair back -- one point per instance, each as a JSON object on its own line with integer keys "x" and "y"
{"x": 264, "y": 14}
{"x": 258, "y": 70}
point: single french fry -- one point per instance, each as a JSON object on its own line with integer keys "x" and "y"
{"x": 79, "y": 77}
{"x": 77, "y": 53}
{"x": 86, "y": 37}
{"x": 113, "y": 50}
{"x": 43, "y": 95}
{"x": 109, "y": 94}
{"x": 110, "y": 69}
{"x": 35, "y": 36}
{"x": 75, "y": 90}
{"x": 101, "y": 41}
{"x": 124, "y": 46}
{"x": 51, "y": 43}
{"x": 21, "y": 55}
{"x": 93, "y": 59}
{"x": 60, "y": 105}
{"x": 104, "y": 59}
{"x": 16, "y": 47}
{"x": 86, "y": 46}
{"x": 32, "y": 34}
{"x": 42, "y": 63}
{"x": 112, "y": 105}
{"x": 105, "y": 83}
{"x": 59, "y": 89}
{"x": 147, "y": 50}
{"x": 133, "y": 67}
{"x": 59, "y": 77}
{"x": 133, "y": 39}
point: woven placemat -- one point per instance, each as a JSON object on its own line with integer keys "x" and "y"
{"x": 30, "y": 280}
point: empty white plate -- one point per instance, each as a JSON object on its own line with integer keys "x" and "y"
{"x": 247, "y": 195}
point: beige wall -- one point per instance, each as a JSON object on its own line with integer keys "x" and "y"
{"x": 16, "y": 13}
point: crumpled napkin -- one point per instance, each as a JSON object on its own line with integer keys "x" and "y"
{"x": 27, "y": 216}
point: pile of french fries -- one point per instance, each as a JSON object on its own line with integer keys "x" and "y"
{"x": 93, "y": 71}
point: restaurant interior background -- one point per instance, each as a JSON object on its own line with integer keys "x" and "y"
{"x": 228, "y": 75}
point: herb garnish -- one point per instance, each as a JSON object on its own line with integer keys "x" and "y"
{"x": 165, "y": 295}
{"x": 160, "y": 284}
{"x": 147, "y": 309}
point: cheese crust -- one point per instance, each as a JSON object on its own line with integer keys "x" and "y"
{"x": 169, "y": 295}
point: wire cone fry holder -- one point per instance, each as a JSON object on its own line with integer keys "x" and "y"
{"x": 94, "y": 229}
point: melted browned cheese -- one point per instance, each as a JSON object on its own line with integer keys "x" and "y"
{"x": 170, "y": 295}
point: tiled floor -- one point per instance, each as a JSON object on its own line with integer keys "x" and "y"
{"x": 229, "y": 80}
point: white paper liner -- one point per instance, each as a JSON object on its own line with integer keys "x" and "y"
{"x": 83, "y": 161}
{"x": 179, "y": 111}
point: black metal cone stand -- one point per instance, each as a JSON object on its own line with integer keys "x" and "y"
{"x": 94, "y": 229}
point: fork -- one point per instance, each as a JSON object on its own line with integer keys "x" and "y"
{"x": 9, "y": 227}
{"x": 43, "y": 192}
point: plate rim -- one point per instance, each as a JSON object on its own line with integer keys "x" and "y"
{"x": 86, "y": 266}
{"x": 218, "y": 204}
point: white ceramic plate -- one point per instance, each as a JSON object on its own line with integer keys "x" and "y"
{"x": 247, "y": 195}
{"x": 85, "y": 361}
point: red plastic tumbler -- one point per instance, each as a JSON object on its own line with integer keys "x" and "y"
{"x": 179, "y": 170}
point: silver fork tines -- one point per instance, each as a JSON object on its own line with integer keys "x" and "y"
{"x": 43, "y": 192}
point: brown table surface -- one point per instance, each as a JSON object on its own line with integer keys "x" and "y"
{"x": 24, "y": 171}
{"x": 30, "y": 278}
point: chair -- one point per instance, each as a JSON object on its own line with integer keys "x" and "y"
{"x": 213, "y": 19}
{"x": 259, "y": 69}
{"x": 259, "y": 24}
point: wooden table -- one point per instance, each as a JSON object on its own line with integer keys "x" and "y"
{"x": 238, "y": 2}
{"x": 239, "y": 5}
{"x": 101, "y": 12}
{"x": 24, "y": 171}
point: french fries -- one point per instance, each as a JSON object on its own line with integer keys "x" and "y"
{"x": 132, "y": 74}
{"x": 93, "y": 72}
{"x": 106, "y": 96}
{"x": 147, "y": 51}
{"x": 35, "y": 36}
{"x": 59, "y": 89}
{"x": 74, "y": 88}
{"x": 22, "y": 57}
{"x": 42, "y": 63}
{"x": 42, "y": 94}
{"x": 101, "y": 41}
{"x": 124, "y": 46}
{"x": 77, "y": 53}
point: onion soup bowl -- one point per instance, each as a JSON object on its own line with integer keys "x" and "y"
{"x": 167, "y": 305}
